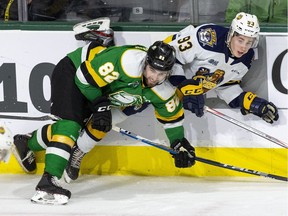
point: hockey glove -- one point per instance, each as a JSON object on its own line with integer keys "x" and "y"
{"x": 102, "y": 117}
{"x": 186, "y": 153}
{"x": 193, "y": 98}
{"x": 259, "y": 107}
{"x": 131, "y": 110}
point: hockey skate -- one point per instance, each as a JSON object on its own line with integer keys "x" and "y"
{"x": 96, "y": 30}
{"x": 71, "y": 172}
{"x": 24, "y": 156}
{"x": 49, "y": 191}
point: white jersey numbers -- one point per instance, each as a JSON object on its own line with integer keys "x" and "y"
{"x": 172, "y": 104}
{"x": 108, "y": 73}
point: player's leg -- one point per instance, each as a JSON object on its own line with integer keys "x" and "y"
{"x": 25, "y": 145}
{"x": 86, "y": 141}
{"x": 96, "y": 30}
{"x": 70, "y": 105}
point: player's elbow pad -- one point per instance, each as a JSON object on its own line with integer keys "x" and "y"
{"x": 238, "y": 101}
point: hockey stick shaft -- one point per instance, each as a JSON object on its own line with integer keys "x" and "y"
{"x": 246, "y": 127}
{"x": 144, "y": 140}
{"x": 39, "y": 118}
{"x": 203, "y": 160}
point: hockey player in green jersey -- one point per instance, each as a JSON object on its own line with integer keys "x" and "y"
{"x": 107, "y": 77}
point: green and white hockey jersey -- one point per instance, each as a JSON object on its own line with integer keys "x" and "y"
{"x": 117, "y": 72}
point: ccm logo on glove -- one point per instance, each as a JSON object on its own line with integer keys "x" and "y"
{"x": 104, "y": 108}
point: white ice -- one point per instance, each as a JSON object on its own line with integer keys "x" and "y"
{"x": 150, "y": 196}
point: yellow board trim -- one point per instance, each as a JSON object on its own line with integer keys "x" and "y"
{"x": 150, "y": 161}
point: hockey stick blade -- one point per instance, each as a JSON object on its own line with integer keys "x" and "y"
{"x": 40, "y": 118}
{"x": 246, "y": 127}
{"x": 239, "y": 169}
{"x": 203, "y": 160}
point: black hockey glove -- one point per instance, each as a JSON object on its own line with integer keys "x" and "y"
{"x": 185, "y": 156}
{"x": 259, "y": 107}
{"x": 193, "y": 98}
{"x": 102, "y": 117}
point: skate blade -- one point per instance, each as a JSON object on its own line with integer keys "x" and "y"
{"x": 42, "y": 197}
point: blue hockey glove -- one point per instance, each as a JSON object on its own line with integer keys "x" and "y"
{"x": 259, "y": 107}
{"x": 186, "y": 153}
{"x": 195, "y": 104}
{"x": 193, "y": 98}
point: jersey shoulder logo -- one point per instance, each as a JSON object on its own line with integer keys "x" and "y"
{"x": 207, "y": 37}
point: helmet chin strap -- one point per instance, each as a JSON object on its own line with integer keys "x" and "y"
{"x": 231, "y": 52}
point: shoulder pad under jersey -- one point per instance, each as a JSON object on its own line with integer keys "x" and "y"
{"x": 164, "y": 91}
{"x": 132, "y": 62}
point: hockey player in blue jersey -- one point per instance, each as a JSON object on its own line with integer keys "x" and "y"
{"x": 219, "y": 58}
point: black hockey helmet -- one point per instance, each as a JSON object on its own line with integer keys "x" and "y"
{"x": 161, "y": 56}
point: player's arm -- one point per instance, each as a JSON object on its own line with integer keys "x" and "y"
{"x": 171, "y": 115}
{"x": 100, "y": 105}
{"x": 90, "y": 80}
{"x": 95, "y": 30}
{"x": 90, "y": 88}
{"x": 192, "y": 92}
{"x": 92, "y": 76}
{"x": 251, "y": 103}
{"x": 178, "y": 74}
{"x": 186, "y": 44}
{"x": 248, "y": 102}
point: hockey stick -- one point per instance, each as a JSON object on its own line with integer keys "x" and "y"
{"x": 40, "y": 118}
{"x": 157, "y": 145}
{"x": 210, "y": 110}
{"x": 142, "y": 139}
{"x": 246, "y": 127}
{"x": 203, "y": 160}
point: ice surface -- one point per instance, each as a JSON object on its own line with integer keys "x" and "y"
{"x": 151, "y": 196}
